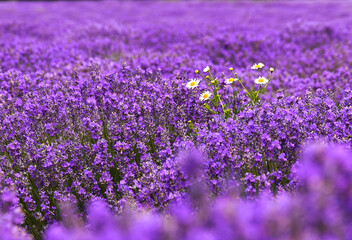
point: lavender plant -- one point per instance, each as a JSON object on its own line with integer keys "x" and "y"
{"x": 324, "y": 174}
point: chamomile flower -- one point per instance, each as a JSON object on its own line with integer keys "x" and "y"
{"x": 257, "y": 66}
{"x": 205, "y": 96}
{"x": 271, "y": 69}
{"x": 206, "y": 69}
{"x": 193, "y": 83}
{"x": 261, "y": 80}
{"x": 231, "y": 80}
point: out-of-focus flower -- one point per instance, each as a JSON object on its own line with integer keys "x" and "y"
{"x": 271, "y": 69}
{"x": 322, "y": 206}
{"x": 206, "y": 69}
{"x": 258, "y": 65}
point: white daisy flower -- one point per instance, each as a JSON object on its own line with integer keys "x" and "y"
{"x": 205, "y": 96}
{"x": 257, "y": 65}
{"x": 261, "y": 80}
{"x": 231, "y": 80}
{"x": 193, "y": 83}
{"x": 206, "y": 69}
{"x": 271, "y": 69}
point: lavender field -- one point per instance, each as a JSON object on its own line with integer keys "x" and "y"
{"x": 176, "y": 120}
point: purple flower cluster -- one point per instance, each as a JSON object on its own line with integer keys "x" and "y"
{"x": 95, "y": 106}
{"x": 11, "y": 217}
{"x": 320, "y": 210}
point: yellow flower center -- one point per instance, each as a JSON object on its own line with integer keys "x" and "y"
{"x": 205, "y": 95}
{"x": 261, "y": 80}
{"x": 257, "y": 66}
{"x": 231, "y": 79}
{"x": 193, "y": 84}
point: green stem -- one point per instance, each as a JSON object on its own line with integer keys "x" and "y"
{"x": 222, "y": 105}
{"x": 211, "y": 75}
{"x": 245, "y": 89}
{"x": 267, "y": 82}
{"x": 204, "y": 79}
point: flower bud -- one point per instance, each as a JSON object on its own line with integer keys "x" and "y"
{"x": 206, "y": 69}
